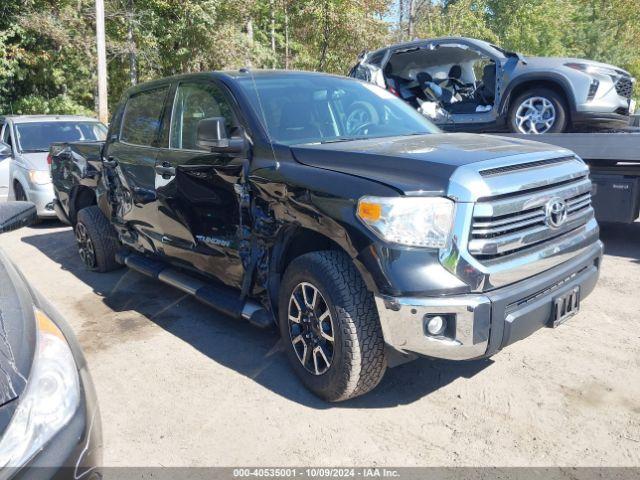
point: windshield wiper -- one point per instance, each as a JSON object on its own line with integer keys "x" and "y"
{"x": 35, "y": 150}
{"x": 352, "y": 139}
{"x": 345, "y": 139}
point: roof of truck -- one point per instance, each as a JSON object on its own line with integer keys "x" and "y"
{"x": 228, "y": 74}
{"x": 47, "y": 118}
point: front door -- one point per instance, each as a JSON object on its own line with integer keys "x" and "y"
{"x": 198, "y": 201}
{"x": 133, "y": 154}
{"x": 5, "y": 162}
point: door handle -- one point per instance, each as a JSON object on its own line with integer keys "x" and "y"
{"x": 110, "y": 162}
{"x": 166, "y": 170}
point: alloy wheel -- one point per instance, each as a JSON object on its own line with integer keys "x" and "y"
{"x": 85, "y": 246}
{"x": 311, "y": 328}
{"x": 535, "y": 115}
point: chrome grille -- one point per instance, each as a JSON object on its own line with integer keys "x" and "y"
{"x": 624, "y": 87}
{"x": 508, "y": 224}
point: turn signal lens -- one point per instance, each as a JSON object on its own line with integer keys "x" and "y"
{"x": 369, "y": 211}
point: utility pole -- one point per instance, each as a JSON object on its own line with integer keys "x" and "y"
{"x": 103, "y": 114}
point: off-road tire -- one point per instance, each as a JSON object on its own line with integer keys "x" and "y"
{"x": 359, "y": 361}
{"x": 103, "y": 237}
{"x": 562, "y": 117}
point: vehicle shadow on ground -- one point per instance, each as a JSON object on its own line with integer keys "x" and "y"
{"x": 621, "y": 240}
{"x": 257, "y": 354}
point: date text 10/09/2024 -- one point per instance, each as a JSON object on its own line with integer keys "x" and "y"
{"x": 316, "y": 473}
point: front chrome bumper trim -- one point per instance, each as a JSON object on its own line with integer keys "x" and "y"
{"x": 484, "y": 323}
{"x": 403, "y": 325}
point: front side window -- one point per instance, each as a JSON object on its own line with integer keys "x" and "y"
{"x": 38, "y": 136}
{"x": 141, "y": 117}
{"x": 6, "y": 134}
{"x": 195, "y": 102}
{"x": 311, "y": 108}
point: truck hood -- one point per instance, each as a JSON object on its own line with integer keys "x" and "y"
{"x": 420, "y": 164}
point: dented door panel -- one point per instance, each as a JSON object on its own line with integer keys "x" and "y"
{"x": 198, "y": 213}
{"x": 136, "y": 190}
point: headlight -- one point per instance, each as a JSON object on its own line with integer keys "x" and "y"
{"x": 40, "y": 177}
{"x": 594, "y": 69}
{"x": 50, "y": 399}
{"x": 413, "y": 221}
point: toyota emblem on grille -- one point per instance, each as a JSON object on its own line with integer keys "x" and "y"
{"x": 556, "y": 212}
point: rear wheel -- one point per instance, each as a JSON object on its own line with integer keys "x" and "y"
{"x": 329, "y": 323}
{"x": 538, "y": 111}
{"x": 97, "y": 240}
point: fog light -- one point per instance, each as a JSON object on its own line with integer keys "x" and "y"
{"x": 436, "y": 325}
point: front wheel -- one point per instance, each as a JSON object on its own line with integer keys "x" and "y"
{"x": 330, "y": 326}
{"x": 538, "y": 111}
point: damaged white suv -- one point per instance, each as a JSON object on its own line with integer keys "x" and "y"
{"x": 467, "y": 84}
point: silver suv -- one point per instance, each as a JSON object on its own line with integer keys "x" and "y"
{"x": 465, "y": 84}
{"x": 24, "y": 149}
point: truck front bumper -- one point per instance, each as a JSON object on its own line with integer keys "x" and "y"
{"x": 482, "y": 324}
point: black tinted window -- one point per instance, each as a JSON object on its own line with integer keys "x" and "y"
{"x": 196, "y": 102}
{"x": 376, "y": 60}
{"x": 141, "y": 118}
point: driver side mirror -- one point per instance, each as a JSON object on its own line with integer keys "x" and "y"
{"x": 212, "y": 135}
{"x": 14, "y": 215}
{"x": 5, "y": 150}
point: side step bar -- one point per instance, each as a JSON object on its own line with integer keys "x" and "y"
{"x": 222, "y": 299}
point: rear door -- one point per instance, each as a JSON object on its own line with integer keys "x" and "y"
{"x": 198, "y": 205}
{"x": 133, "y": 152}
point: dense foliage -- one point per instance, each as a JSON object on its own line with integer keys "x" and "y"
{"x": 47, "y": 47}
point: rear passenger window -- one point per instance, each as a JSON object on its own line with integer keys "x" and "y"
{"x": 195, "y": 102}
{"x": 141, "y": 118}
{"x": 362, "y": 73}
{"x": 376, "y": 60}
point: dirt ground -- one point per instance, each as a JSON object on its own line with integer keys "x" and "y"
{"x": 180, "y": 385}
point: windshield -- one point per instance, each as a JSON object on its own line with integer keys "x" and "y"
{"x": 38, "y": 136}
{"x": 296, "y": 108}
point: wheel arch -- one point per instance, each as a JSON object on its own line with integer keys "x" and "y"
{"x": 81, "y": 196}
{"x": 296, "y": 241}
{"x": 556, "y": 83}
{"x": 17, "y": 182}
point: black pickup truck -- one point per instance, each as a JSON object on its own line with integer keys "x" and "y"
{"x": 367, "y": 239}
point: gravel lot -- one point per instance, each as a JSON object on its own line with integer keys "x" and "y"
{"x": 180, "y": 385}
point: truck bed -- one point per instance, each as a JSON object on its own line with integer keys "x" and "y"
{"x": 620, "y": 147}
{"x": 75, "y": 167}
{"x": 614, "y": 164}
